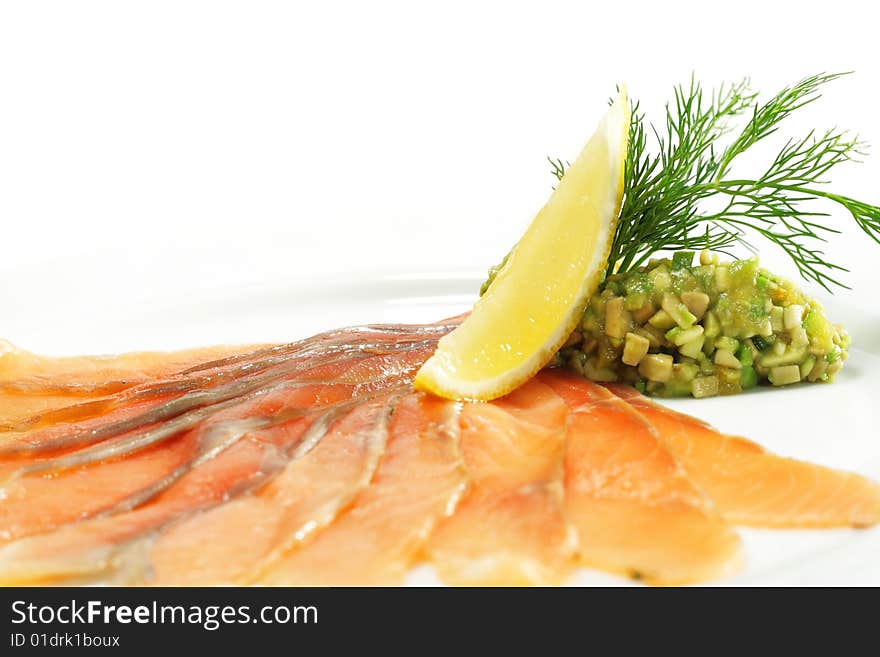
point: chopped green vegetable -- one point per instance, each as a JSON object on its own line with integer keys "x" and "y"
{"x": 722, "y": 349}
{"x": 682, "y": 260}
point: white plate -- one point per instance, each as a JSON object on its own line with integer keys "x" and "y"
{"x": 835, "y": 425}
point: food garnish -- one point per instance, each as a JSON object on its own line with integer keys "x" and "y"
{"x": 676, "y": 328}
{"x": 669, "y": 328}
{"x": 668, "y": 193}
{"x": 536, "y": 299}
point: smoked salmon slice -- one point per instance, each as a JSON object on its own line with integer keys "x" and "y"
{"x": 234, "y": 440}
{"x": 115, "y": 548}
{"x": 31, "y": 384}
{"x": 751, "y": 486}
{"x": 100, "y": 479}
{"x": 635, "y": 510}
{"x": 35, "y": 503}
{"x": 315, "y": 463}
{"x": 510, "y": 529}
{"x": 419, "y": 481}
{"x": 233, "y": 543}
{"x": 37, "y": 391}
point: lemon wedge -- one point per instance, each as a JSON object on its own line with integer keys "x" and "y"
{"x": 537, "y": 297}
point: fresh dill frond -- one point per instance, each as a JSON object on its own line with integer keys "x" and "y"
{"x": 689, "y": 165}
{"x": 558, "y": 167}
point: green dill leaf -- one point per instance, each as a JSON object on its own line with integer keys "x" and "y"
{"x": 686, "y": 166}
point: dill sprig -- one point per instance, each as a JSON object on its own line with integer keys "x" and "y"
{"x": 670, "y": 190}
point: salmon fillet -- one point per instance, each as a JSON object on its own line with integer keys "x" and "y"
{"x": 141, "y": 481}
{"x": 232, "y": 543}
{"x": 314, "y": 462}
{"x": 419, "y": 481}
{"x": 115, "y": 548}
{"x": 751, "y": 486}
{"x": 635, "y": 510}
{"x": 113, "y": 475}
{"x": 510, "y": 528}
{"x": 248, "y": 442}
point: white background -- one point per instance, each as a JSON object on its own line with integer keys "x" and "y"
{"x": 154, "y": 150}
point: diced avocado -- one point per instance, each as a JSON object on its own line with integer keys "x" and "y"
{"x": 704, "y": 386}
{"x": 787, "y": 357}
{"x": 662, "y": 320}
{"x": 726, "y": 358}
{"x": 727, "y": 326}
{"x": 653, "y": 335}
{"x": 792, "y": 316}
{"x": 656, "y": 367}
{"x": 711, "y": 325}
{"x": 638, "y": 283}
{"x": 697, "y": 303}
{"x": 784, "y": 375}
{"x": 818, "y": 370}
{"x": 678, "y": 311}
{"x": 807, "y": 366}
{"x": 595, "y": 372}
{"x": 643, "y": 314}
{"x": 617, "y": 318}
{"x": 729, "y": 376}
{"x": 706, "y": 365}
{"x": 635, "y": 348}
{"x": 724, "y": 342}
{"x": 819, "y": 330}
{"x": 799, "y": 337}
{"x": 680, "y": 336}
{"x": 685, "y": 372}
{"x": 635, "y": 301}
{"x": 660, "y": 279}
{"x": 692, "y": 349}
{"x": 776, "y": 319}
{"x": 590, "y": 320}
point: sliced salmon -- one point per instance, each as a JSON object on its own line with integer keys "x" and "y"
{"x": 31, "y": 384}
{"x": 510, "y": 528}
{"x": 234, "y": 542}
{"x": 115, "y": 548}
{"x": 71, "y": 389}
{"x": 634, "y": 508}
{"x": 27, "y": 373}
{"x": 751, "y": 486}
{"x": 216, "y": 432}
{"x": 37, "y": 502}
{"x": 419, "y": 481}
{"x": 126, "y": 411}
{"x": 123, "y": 472}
